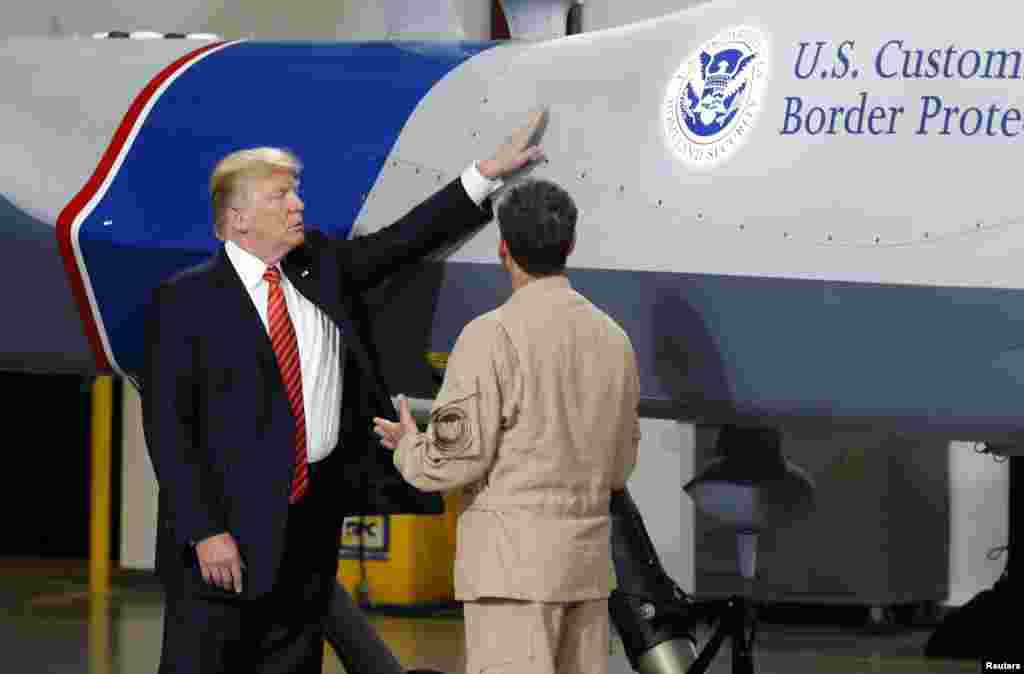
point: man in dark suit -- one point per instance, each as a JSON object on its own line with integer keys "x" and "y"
{"x": 259, "y": 391}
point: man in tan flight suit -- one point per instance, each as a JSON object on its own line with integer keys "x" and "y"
{"x": 537, "y": 421}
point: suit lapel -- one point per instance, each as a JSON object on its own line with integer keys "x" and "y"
{"x": 320, "y": 283}
{"x": 239, "y": 306}
{"x": 303, "y": 269}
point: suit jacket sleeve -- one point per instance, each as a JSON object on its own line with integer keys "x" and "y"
{"x": 170, "y": 399}
{"x": 443, "y": 218}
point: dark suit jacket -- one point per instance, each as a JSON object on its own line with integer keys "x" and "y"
{"x": 217, "y": 422}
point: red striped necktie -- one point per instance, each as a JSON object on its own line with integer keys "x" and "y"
{"x": 286, "y": 349}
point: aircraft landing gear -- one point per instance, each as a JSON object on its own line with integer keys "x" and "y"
{"x": 653, "y": 616}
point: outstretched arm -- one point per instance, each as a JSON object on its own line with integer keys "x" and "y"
{"x": 447, "y": 215}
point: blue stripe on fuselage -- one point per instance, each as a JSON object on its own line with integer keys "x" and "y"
{"x": 340, "y": 107}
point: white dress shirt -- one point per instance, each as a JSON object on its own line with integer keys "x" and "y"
{"x": 320, "y": 350}
{"x": 320, "y": 342}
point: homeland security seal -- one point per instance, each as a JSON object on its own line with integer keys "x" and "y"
{"x": 713, "y": 100}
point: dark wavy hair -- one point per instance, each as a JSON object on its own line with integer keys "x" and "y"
{"x": 537, "y": 220}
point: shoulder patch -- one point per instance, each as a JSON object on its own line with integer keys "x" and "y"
{"x": 453, "y": 425}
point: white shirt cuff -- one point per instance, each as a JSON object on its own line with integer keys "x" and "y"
{"x": 477, "y": 186}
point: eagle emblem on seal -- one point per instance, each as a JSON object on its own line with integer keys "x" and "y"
{"x": 710, "y": 106}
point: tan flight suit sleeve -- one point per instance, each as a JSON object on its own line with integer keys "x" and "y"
{"x": 628, "y": 447}
{"x": 461, "y": 440}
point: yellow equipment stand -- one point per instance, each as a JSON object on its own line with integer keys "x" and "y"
{"x": 418, "y": 569}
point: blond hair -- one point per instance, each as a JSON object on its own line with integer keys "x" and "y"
{"x": 231, "y": 180}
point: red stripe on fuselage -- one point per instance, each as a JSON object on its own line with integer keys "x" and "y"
{"x": 74, "y": 208}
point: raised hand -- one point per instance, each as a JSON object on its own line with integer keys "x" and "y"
{"x": 518, "y": 150}
{"x": 392, "y": 432}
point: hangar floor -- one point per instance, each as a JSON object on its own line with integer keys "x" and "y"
{"x": 49, "y": 625}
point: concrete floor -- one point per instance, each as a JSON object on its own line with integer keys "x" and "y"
{"x": 50, "y": 625}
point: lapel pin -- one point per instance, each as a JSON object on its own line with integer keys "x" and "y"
{"x": 305, "y": 273}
